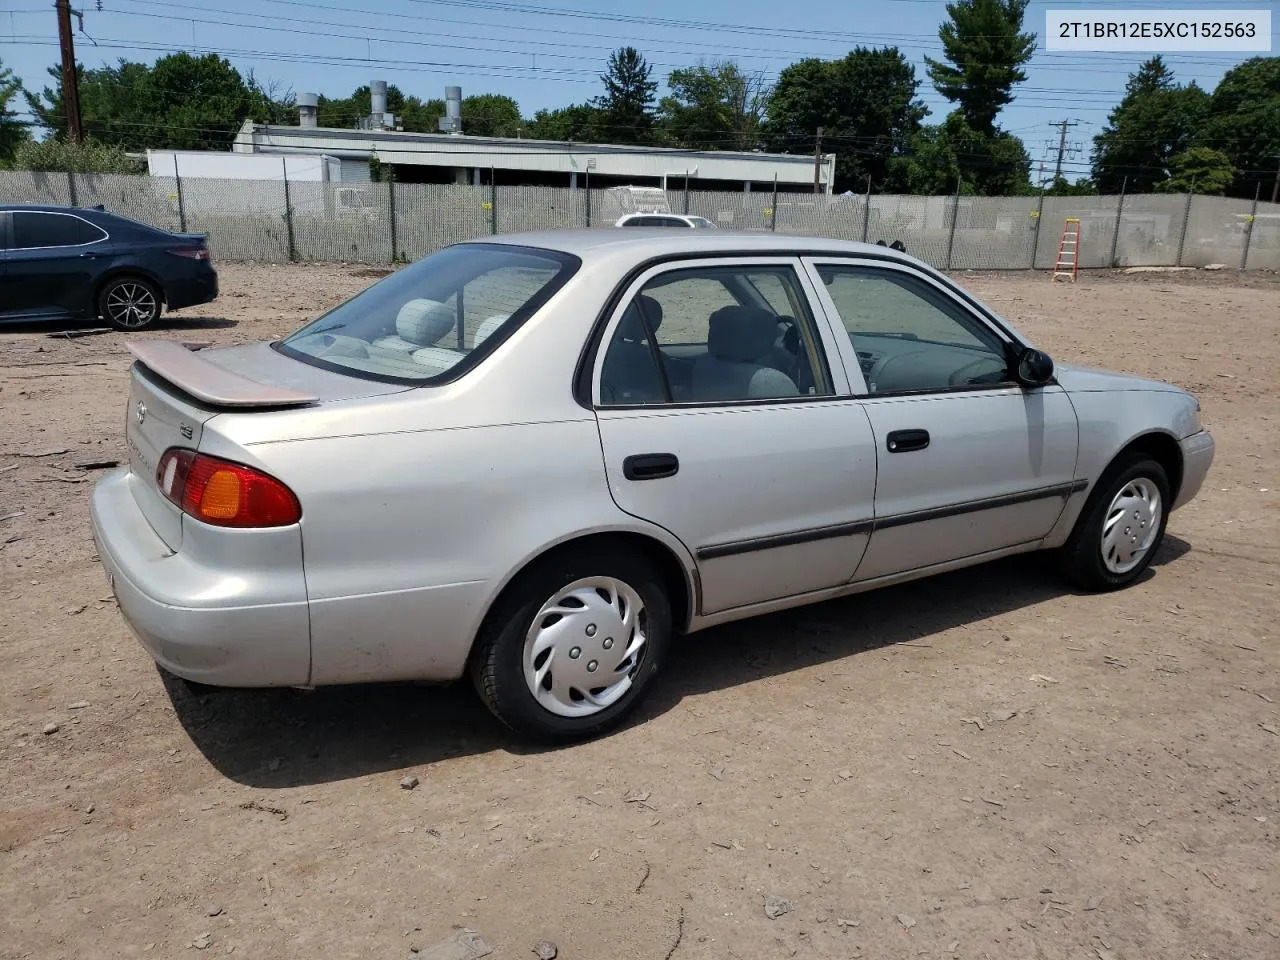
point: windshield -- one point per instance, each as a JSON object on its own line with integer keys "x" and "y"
{"x": 701, "y": 223}
{"x": 423, "y": 322}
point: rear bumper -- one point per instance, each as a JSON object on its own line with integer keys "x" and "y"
{"x": 189, "y": 291}
{"x": 1197, "y": 457}
{"x": 225, "y": 625}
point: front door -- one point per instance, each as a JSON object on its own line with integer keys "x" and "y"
{"x": 721, "y": 421}
{"x": 970, "y": 462}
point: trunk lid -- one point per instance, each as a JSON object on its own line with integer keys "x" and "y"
{"x": 157, "y": 419}
{"x": 177, "y": 388}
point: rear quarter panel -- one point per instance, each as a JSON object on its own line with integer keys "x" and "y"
{"x": 408, "y": 537}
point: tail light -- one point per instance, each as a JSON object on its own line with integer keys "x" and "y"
{"x": 223, "y": 493}
{"x": 191, "y": 253}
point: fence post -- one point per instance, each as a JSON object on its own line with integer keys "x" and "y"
{"x": 493, "y": 200}
{"x": 1186, "y": 219}
{"x": 686, "y": 193}
{"x": 71, "y": 187}
{"x": 182, "y": 206}
{"x": 1248, "y": 232}
{"x": 1035, "y": 237}
{"x": 288, "y": 211}
{"x": 866, "y": 212}
{"x": 955, "y": 215}
{"x": 587, "y": 189}
{"x": 391, "y": 216}
{"x": 773, "y": 207}
{"x": 1115, "y": 236}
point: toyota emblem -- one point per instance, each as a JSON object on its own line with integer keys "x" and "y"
{"x": 141, "y": 411}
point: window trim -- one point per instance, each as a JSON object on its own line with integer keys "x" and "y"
{"x": 13, "y": 231}
{"x": 964, "y": 304}
{"x": 592, "y": 361}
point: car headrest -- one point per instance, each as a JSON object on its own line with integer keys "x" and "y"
{"x": 630, "y": 326}
{"x": 485, "y": 330}
{"x": 741, "y": 334}
{"x": 424, "y": 321}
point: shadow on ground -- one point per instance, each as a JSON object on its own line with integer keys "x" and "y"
{"x": 78, "y": 329}
{"x": 275, "y": 738}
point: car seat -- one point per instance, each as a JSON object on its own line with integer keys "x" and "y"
{"x": 736, "y": 366}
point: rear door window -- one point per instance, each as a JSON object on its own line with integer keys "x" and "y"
{"x": 35, "y": 230}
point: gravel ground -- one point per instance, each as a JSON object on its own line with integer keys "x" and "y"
{"x": 980, "y": 765}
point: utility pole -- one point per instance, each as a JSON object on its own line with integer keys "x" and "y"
{"x": 1275, "y": 189}
{"x": 1062, "y": 146}
{"x": 817, "y": 163}
{"x": 70, "y": 82}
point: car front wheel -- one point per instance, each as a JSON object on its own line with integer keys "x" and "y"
{"x": 129, "y": 303}
{"x": 573, "y": 647}
{"x": 1121, "y": 527}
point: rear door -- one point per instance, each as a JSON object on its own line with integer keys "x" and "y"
{"x": 52, "y": 262}
{"x": 753, "y": 455}
{"x": 970, "y": 462}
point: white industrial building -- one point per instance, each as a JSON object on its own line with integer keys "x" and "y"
{"x": 454, "y": 157}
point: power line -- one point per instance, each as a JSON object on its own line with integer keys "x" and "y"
{"x": 1040, "y": 96}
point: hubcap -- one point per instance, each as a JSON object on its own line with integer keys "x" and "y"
{"x": 131, "y": 305}
{"x": 1133, "y": 519}
{"x": 585, "y": 646}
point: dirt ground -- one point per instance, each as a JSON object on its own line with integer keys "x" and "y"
{"x": 983, "y": 765}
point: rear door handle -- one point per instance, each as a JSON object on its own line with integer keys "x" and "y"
{"x": 650, "y": 466}
{"x": 904, "y": 441}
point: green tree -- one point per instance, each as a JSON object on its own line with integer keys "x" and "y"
{"x": 180, "y": 102}
{"x": 983, "y": 164}
{"x": 421, "y": 116}
{"x": 490, "y": 115}
{"x": 1243, "y": 122}
{"x": 866, "y": 104}
{"x": 59, "y": 155}
{"x": 1199, "y": 169}
{"x": 1083, "y": 187}
{"x": 1156, "y": 120}
{"x": 13, "y": 132}
{"x": 628, "y": 100}
{"x": 985, "y": 49}
{"x": 716, "y": 107}
{"x": 580, "y": 123}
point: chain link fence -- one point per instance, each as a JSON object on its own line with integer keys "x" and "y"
{"x": 278, "y": 220}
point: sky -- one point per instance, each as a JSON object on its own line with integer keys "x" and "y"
{"x": 551, "y": 53}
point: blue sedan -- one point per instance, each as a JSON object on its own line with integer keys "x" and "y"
{"x": 76, "y": 263}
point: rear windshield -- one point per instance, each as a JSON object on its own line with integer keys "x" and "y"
{"x": 425, "y": 322}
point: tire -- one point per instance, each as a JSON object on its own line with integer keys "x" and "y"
{"x": 511, "y": 645}
{"x": 1094, "y": 564}
{"x": 129, "y": 303}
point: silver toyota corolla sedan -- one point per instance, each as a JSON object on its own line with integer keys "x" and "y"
{"x": 539, "y": 458}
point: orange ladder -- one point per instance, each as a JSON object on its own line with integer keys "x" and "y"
{"x": 1068, "y": 263}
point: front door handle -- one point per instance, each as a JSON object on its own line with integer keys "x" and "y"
{"x": 650, "y": 466}
{"x": 904, "y": 441}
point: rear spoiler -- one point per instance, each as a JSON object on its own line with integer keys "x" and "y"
{"x": 179, "y": 364}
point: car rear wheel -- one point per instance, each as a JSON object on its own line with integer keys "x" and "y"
{"x": 129, "y": 303}
{"x": 574, "y": 645}
{"x": 1121, "y": 526}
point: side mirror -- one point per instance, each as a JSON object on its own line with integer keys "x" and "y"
{"x": 1035, "y": 369}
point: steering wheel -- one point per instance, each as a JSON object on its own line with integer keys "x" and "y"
{"x": 969, "y": 373}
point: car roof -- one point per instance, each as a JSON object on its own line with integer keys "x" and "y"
{"x": 45, "y": 208}
{"x": 645, "y": 243}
